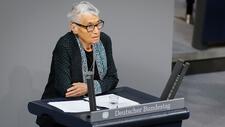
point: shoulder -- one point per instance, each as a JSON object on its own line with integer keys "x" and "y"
{"x": 66, "y": 42}
{"x": 105, "y": 39}
{"x": 104, "y": 36}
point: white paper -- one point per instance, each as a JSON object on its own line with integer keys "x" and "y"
{"x": 104, "y": 101}
{"x": 83, "y": 106}
{"x": 72, "y": 106}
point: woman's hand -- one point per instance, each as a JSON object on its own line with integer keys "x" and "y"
{"x": 77, "y": 89}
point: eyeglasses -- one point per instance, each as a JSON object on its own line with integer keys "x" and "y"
{"x": 91, "y": 27}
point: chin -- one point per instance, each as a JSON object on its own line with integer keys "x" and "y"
{"x": 95, "y": 41}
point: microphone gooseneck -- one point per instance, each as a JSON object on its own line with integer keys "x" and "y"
{"x": 90, "y": 84}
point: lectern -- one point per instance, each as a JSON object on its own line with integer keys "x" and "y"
{"x": 151, "y": 118}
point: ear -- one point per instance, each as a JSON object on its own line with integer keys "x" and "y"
{"x": 73, "y": 28}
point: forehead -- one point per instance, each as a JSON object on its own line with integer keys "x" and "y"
{"x": 87, "y": 18}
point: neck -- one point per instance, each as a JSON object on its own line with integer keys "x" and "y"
{"x": 87, "y": 47}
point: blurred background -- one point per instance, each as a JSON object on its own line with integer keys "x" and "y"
{"x": 148, "y": 37}
{"x": 199, "y": 37}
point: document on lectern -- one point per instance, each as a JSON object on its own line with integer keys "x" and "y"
{"x": 110, "y": 101}
{"x": 71, "y": 106}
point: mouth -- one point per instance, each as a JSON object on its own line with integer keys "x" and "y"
{"x": 96, "y": 37}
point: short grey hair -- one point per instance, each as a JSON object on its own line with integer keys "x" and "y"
{"x": 80, "y": 8}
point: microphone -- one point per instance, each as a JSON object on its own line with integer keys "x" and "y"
{"x": 90, "y": 83}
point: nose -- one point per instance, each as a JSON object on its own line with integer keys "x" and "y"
{"x": 96, "y": 30}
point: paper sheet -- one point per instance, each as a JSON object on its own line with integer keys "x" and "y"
{"x": 104, "y": 101}
{"x": 72, "y": 106}
{"x": 83, "y": 106}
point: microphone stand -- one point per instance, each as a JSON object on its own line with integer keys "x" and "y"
{"x": 90, "y": 83}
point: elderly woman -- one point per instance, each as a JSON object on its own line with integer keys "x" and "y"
{"x": 82, "y": 49}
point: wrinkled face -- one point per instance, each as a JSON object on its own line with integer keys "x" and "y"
{"x": 85, "y": 35}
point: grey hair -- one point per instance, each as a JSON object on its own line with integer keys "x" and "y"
{"x": 82, "y": 7}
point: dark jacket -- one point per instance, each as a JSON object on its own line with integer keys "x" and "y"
{"x": 66, "y": 67}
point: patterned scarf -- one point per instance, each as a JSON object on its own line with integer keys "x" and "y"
{"x": 99, "y": 56}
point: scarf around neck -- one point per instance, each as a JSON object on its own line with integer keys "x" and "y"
{"x": 99, "y": 55}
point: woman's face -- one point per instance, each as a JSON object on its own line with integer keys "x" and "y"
{"x": 85, "y": 36}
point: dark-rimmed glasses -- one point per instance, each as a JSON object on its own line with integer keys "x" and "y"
{"x": 91, "y": 27}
